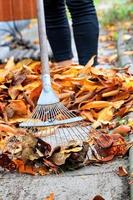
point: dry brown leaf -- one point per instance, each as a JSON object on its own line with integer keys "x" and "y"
{"x": 122, "y": 171}
{"x": 122, "y": 130}
{"x": 121, "y": 96}
{"x": 104, "y": 141}
{"x": 16, "y": 108}
{"x": 35, "y": 93}
{"x": 14, "y": 91}
{"x": 118, "y": 148}
{"x": 65, "y": 95}
{"x": 98, "y": 197}
{"x": 60, "y": 158}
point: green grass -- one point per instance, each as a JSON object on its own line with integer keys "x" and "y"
{"x": 97, "y": 1}
{"x": 120, "y": 11}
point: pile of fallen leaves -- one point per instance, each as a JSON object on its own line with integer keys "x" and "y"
{"x": 100, "y": 95}
{"x": 25, "y": 153}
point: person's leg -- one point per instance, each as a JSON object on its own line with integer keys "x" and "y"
{"x": 58, "y": 31}
{"x": 85, "y": 27}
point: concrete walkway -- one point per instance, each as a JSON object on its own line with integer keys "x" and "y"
{"x": 81, "y": 184}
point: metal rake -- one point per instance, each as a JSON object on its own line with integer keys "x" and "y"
{"x": 51, "y": 119}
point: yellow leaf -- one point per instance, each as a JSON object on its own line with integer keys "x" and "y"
{"x": 106, "y": 114}
{"x": 33, "y": 85}
{"x": 74, "y": 71}
{"x": 118, "y": 104}
{"x": 128, "y": 83}
{"x": 10, "y": 65}
{"x": 111, "y": 93}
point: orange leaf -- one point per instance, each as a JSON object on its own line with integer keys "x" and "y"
{"x": 51, "y": 197}
{"x": 96, "y": 104}
{"x": 7, "y": 129}
{"x": 22, "y": 168}
{"x": 35, "y": 66}
{"x": 121, "y": 96}
{"x": 34, "y": 94}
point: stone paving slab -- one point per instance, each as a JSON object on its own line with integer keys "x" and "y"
{"x": 82, "y": 184}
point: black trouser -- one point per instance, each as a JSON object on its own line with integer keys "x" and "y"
{"x": 85, "y": 28}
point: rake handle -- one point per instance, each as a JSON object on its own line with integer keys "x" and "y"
{"x": 42, "y": 37}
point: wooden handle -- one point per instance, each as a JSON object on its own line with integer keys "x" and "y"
{"x": 42, "y": 37}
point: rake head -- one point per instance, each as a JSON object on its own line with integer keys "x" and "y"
{"x": 56, "y": 124}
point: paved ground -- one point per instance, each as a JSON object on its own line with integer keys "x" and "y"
{"x": 81, "y": 184}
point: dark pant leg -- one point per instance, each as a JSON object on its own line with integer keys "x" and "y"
{"x": 58, "y": 31}
{"x": 85, "y": 27}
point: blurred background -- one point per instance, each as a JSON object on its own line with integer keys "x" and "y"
{"x": 18, "y": 25}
